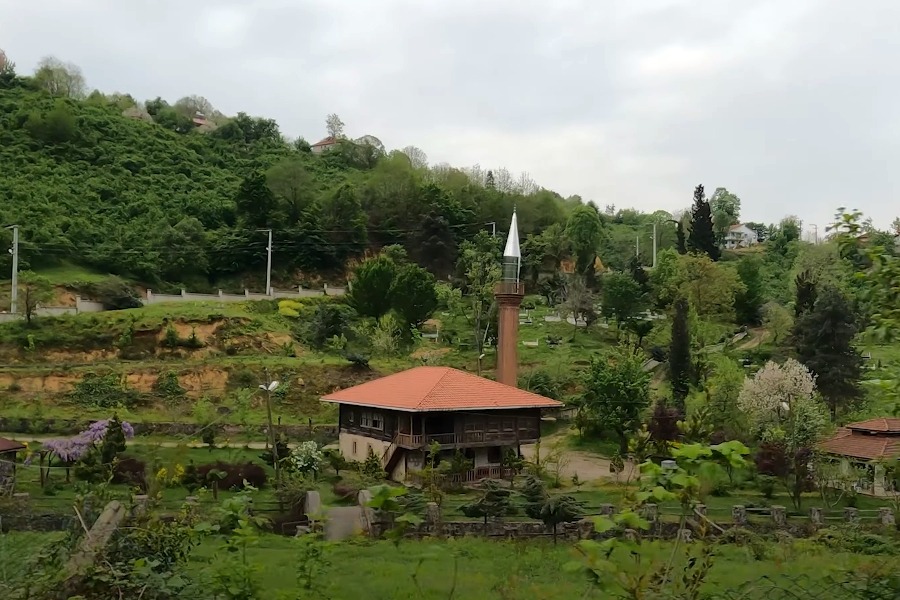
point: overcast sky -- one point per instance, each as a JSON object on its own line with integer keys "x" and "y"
{"x": 790, "y": 104}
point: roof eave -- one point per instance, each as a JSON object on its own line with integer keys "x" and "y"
{"x": 438, "y": 409}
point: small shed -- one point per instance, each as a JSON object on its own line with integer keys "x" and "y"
{"x": 8, "y": 450}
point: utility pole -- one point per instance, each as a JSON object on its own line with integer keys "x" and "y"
{"x": 493, "y": 225}
{"x": 269, "y": 263}
{"x": 14, "y": 294}
{"x": 816, "y": 230}
{"x": 268, "y": 387}
{"x": 654, "y": 246}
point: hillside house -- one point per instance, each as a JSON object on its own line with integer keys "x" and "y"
{"x": 8, "y": 451}
{"x": 400, "y": 415}
{"x": 864, "y": 445}
{"x": 740, "y": 236}
{"x": 324, "y": 144}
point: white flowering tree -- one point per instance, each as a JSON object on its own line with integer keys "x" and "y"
{"x": 768, "y": 397}
{"x": 306, "y": 459}
{"x": 786, "y": 414}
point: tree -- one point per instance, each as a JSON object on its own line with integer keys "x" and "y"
{"x": 551, "y": 510}
{"x": 189, "y": 106}
{"x": 726, "y": 211}
{"x": 710, "y": 287}
{"x": 623, "y": 299}
{"x": 585, "y": 232}
{"x": 641, "y": 328}
{"x": 492, "y": 503}
{"x": 777, "y": 320}
{"x": 702, "y": 238}
{"x": 749, "y": 300}
{"x": 805, "y": 287}
{"x": 766, "y": 397}
{"x": 255, "y": 202}
{"x": 665, "y": 279}
{"x": 787, "y": 418}
{"x": 34, "y": 291}
{"x": 680, "y": 354}
{"x": 479, "y": 265}
{"x": 579, "y": 300}
{"x": 824, "y": 340}
{"x": 344, "y": 221}
{"x": 370, "y": 287}
{"x": 292, "y": 184}
{"x": 413, "y": 295}
{"x": 59, "y": 78}
{"x": 417, "y": 157}
{"x": 7, "y": 70}
{"x": 334, "y": 126}
{"x": 617, "y": 390}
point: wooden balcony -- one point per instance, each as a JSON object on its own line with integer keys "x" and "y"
{"x": 472, "y": 476}
{"x": 467, "y": 439}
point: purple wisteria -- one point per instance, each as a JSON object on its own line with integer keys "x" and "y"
{"x": 73, "y": 449}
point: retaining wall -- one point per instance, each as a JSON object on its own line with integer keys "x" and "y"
{"x": 185, "y": 296}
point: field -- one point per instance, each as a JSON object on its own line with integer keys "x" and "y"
{"x": 475, "y": 568}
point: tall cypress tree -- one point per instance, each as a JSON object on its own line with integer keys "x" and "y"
{"x": 748, "y": 303}
{"x": 702, "y": 237}
{"x": 824, "y": 340}
{"x": 680, "y": 354}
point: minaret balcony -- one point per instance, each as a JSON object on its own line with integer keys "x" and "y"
{"x": 509, "y": 288}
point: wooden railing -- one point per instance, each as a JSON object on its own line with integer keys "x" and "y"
{"x": 473, "y": 475}
{"x": 469, "y": 437}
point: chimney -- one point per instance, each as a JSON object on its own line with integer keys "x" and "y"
{"x": 509, "y": 293}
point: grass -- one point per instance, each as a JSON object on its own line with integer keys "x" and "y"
{"x": 69, "y": 274}
{"x": 475, "y": 568}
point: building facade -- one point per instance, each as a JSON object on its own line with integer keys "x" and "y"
{"x": 740, "y": 236}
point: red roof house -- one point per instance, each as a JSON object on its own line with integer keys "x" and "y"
{"x": 872, "y": 441}
{"x": 324, "y": 144}
{"x": 399, "y": 416}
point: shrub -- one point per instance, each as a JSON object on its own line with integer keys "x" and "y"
{"x": 103, "y": 391}
{"x": 329, "y": 320}
{"x": 242, "y": 378}
{"x": 167, "y": 386}
{"x": 130, "y": 471}
{"x": 235, "y": 474}
{"x": 114, "y": 293}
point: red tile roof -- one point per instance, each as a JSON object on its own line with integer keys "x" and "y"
{"x": 327, "y": 141}
{"x": 438, "y": 388}
{"x": 883, "y": 424}
{"x": 861, "y": 445}
{"x": 10, "y": 445}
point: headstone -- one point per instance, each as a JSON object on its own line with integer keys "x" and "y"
{"x": 684, "y": 535}
{"x": 651, "y": 512}
{"x": 141, "y": 503}
{"x": 739, "y": 514}
{"x": 313, "y": 505}
{"x": 886, "y": 516}
{"x": 631, "y": 535}
{"x": 192, "y": 499}
{"x": 607, "y": 509}
{"x": 432, "y": 514}
{"x": 96, "y": 539}
{"x": 851, "y": 515}
{"x": 779, "y": 516}
{"x": 815, "y": 516}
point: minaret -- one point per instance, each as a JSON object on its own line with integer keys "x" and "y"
{"x": 509, "y": 293}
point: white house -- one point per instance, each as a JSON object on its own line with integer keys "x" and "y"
{"x": 740, "y": 236}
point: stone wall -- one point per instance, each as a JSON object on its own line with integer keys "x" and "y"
{"x": 185, "y": 296}
{"x": 323, "y": 434}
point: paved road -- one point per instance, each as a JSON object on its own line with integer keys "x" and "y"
{"x": 586, "y": 465}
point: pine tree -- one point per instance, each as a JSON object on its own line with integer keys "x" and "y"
{"x": 824, "y": 341}
{"x": 680, "y": 355}
{"x": 702, "y": 237}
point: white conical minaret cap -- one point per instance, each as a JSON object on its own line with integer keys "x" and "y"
{"x": 512, "y": 240}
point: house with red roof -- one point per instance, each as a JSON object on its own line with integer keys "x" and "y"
{"x": 868, "y": 444}
{"x": 399, "y": 416}
{"x": 324, "y": 144}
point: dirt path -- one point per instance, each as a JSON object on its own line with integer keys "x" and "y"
{"x": 586, "y": 465}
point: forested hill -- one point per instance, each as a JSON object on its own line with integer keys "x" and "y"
{"x": 135, "y": 189}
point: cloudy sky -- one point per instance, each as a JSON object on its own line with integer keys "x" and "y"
{"x": 791, "y": 104}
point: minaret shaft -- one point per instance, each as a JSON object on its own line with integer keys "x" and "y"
{"x": 509, "y": 293}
